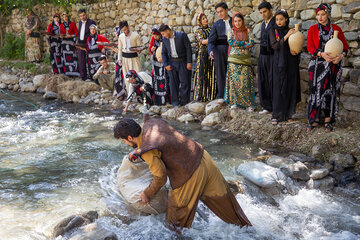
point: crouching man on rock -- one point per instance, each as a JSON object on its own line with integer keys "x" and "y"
{"x": 192, "y": 172}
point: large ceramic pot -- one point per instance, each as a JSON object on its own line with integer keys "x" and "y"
{"x": 296, "y": 40}
{"x": 334, "y": 46}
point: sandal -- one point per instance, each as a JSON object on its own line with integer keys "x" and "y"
{"x": 328, "y": 127}
{"x": 313, "y": 125}
{"x": 274, "y": 121}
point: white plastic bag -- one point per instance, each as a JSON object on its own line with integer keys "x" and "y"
{"x": 133, "y": 179}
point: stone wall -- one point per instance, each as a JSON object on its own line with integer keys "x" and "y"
{"x": 181, "y": 14}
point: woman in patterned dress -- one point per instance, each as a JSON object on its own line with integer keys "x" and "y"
{"x": 32, "y": 38}
{"x": 70, "y": 61}
{"x": 204, "y": 78}
{"x": 324, "y": 71}
{"x": 55, "y": 45}
{"x": 239, "y": 86}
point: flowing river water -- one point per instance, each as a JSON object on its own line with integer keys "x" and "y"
{"x": 62, "y": 159}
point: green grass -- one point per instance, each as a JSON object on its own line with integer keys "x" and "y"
{"x": 33, "y": 68}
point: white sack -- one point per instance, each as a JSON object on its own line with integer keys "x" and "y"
{"x": 262, "y": 174}
{"x": 133, "y": 179}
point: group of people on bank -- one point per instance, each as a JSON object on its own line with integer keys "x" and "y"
{"x": 223, "y": 62}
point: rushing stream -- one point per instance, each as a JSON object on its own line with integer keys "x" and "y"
{"x": 62, "y": 159}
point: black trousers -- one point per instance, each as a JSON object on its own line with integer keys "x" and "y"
{"x": 180, "y": 83}
{"x": 220, "y": 61}
{"x": 265, "y": 81}
{"x": 83, "y": 62}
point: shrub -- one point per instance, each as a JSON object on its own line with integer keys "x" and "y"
{"x": 14, "y": 47}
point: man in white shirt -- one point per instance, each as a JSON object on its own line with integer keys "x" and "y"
{"x": 177, "y": 58}
{"x": 83, "y": 34}
{"x": 129, "y": 60}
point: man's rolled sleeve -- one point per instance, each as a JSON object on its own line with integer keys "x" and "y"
{"x": 158, "y": 169}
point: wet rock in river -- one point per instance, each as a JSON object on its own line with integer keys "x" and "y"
{"x": 169, "y": 114}
{"x": 297, "y": 170}
{"x": 317, "y": 174}
{"x": 92, "y": 232}
{"x": 74, "y": 221}
{"x": 8, "y": 79}
{"x": 277, "y": 161}
{"x": 50, "y": 95}
{"x": 326, "y": 183}
{"x": 155, "y": 109}
{"x": 38, "y": 80}
{"x": 3, "y": 86}
{"x": 342, "y": 161}
{"x": 300, "y": 157}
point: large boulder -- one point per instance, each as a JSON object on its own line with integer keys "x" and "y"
{"x": 211, "y": 119}
{"x": 50, "y": 95}
{"x": 169, "y": 114}
{"x": 297, "y": 170}
{"x": 326, "y": 183}
{"x": 277, "y": 162}
{"x": 186, "y": 118}
{"x": 155, "y": 109}
{"x": 68, "y": 89}
{"x": 318, "y": 174}
{"x": 196, "y": 107}
{"x": 342, "y": 161}
{"x": 27, "y": 87}
{"x": 9, "y": 79}
{"x": 38, "y": 80}
{"x": 74, "y": 221}
{"x": 92, "y": 231}
{"x": 213, "y": 106}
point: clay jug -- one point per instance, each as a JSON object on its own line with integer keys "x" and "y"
{"x": 296, "y": 41}
{"x": 158, "y": 53}
{"x": 334, "y": 46}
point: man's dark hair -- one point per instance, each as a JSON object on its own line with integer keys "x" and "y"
{"x": 102, "y": 57}
{"x": 123, "y": 24}
{"x": 222, "y": 5}
{"x": 126, "y": 127}
{"x": 81, "y": 10}
{"x": 163, "y": 27}
{"x": 266, "y": 5}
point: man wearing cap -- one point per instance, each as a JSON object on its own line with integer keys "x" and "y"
{"x": 129, "y": 60}
{"x": 83, "y": 34}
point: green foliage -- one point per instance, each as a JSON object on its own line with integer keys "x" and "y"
{"x": 14, "y": 47}
{"x": 47, "y": 60}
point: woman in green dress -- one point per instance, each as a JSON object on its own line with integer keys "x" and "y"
{"x": 204, "y": 78}
{"x": 239, "y": 86}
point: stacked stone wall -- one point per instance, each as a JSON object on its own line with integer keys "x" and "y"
{"x": 181, "y": 14}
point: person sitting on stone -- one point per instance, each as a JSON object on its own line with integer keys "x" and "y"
{"x": 140, "y": 89}
{"x": 105, "y": 74}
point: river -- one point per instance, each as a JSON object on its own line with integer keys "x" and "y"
{"x": 61, "y": 158}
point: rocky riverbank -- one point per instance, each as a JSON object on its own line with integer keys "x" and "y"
{"x": 291, "y": 136}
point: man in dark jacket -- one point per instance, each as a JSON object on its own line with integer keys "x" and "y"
{"x": 218, "y": 45}
{"x": 177, "y": 58}
{"x": 265, "y": 59}
{"x": 192, "y": 172}
{"x": 84, "y": 32}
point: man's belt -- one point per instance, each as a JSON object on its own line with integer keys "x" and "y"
{"x": 221, "y": 42}
{"x": 129, "y": 55}
{"x": 177, "y": 59}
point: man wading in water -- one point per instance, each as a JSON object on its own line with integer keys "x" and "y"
{"x": 192, "y": 172}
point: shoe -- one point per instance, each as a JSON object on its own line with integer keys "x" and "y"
{"x": 328, "y": 127}
{"x": 264, "y": 112}
{"x": 274, "y": 121}
{"x": 313, "y": 125}
{"x": 250, "y": 109}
